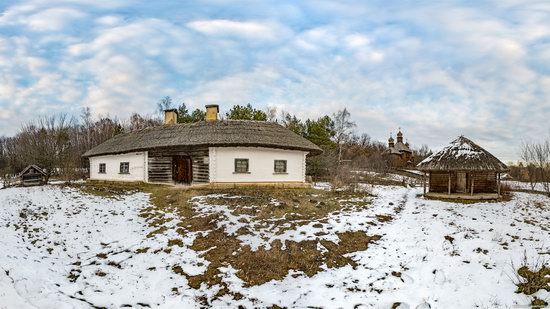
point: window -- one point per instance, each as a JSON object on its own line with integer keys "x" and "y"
{"x": 102, "y": 168}
{"x": 241, "y": 165}
{"x": 125, "y": 167}
{"x": 280, "y": 166}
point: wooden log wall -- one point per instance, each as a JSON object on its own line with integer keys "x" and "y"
{"x": 32, "y": 179}
{"x": 161, "y": 164}
{"x": 200, "y": 169}
{"x": 439, "y": 182}
{"x": 160, "y": 169}
{"x": 484, "y": 182}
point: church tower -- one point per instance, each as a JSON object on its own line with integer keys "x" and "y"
{"x": 399, "y": 136}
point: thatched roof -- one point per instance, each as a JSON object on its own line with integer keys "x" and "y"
{"x": 221, "y": 133}
{"x": 462, "y": 155}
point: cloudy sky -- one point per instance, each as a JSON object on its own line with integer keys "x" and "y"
{"x": 438, "y": 70}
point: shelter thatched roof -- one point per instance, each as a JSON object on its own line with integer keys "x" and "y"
{"x": 462, "y": 155}
{"x": 221, "y": 133}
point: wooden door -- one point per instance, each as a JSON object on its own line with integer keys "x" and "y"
{"x": 461, "y": 182}
{"x": 183, "y": 171}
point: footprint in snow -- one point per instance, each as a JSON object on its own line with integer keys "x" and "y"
{"x": 424, "y": 305}
{"x": 439, "y": 276}
{"x": 407, "y": 279}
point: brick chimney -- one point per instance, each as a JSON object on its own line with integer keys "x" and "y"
{"x": 212, "y": 111}
{"x": 170, "y": 116}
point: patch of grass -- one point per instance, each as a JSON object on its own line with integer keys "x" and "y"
{"x": 112, "y": 189}
{"x": 175, "y": 242}
{"x": 384, "y": 218}
{"x": 142, "y": 250}
{"x": 263, "y": 265}
{"x": 281, "y": 208}
{"x": 538, "y": 303}
{"x": 533, "y": 279}
{"x": 278, "y": 203}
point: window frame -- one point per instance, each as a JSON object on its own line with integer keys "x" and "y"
{"x": 122, "y": 171}
{"x": 236, "y": 166}
{"x": 275, "y": 171}
{"x": 104, "y": 170}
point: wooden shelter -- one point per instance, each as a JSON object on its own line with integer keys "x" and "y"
{"x": 463, "y": 170}
{"x": 33, "y": 175}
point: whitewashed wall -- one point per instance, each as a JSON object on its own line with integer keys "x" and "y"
{"x": 138, "y": 167}
{"x": 261, "y": 161}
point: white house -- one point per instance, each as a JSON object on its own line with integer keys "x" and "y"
{"x": 211, "y": 151}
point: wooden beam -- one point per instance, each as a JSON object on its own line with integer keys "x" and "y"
{"x": 471, "y": 183}
{"x": 449, "y": 186}
{"x": 498, "y": 184}
{"x": 424, "y": 182}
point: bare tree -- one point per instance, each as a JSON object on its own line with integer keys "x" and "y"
{"x": 526, "y": 154}
{"x": 46, "y": 142}
{"x": 422, "y": 153}
{"x": 343, "y": 126}
{"x": 164, "y": 104}
{"x": 537, "y": 159}
{"x": 271, "y": 113}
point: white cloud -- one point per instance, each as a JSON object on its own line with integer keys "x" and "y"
{"x": 110, "y": 20}
{"x": 357, "y": 40}
{"x": 246, "y": 29}
{"x": 54, "y": 19}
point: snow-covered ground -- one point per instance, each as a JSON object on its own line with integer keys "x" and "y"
{"x": 520, "y": 185}
{"x": 61, "y": 248}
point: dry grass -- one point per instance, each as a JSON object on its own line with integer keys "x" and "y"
{"x": 284, "y": 208}
{"x": 533, "y": 279}
{"x": 263, "y": 265}
{"x": 302, "y": 203}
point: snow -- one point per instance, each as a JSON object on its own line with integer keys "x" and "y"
{"x": 443, "y": 255}
{"x": 459, "y": 148}
{"x": 77, "y": 227}
{"x": 444, "y": 274}
{"x": 520, "y": 185}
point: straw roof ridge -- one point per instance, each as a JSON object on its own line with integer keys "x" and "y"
{"x": 228, "y": 133}
{"x": 462, "y": 154}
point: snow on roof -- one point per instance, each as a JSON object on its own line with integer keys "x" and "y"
{"x": 462, "y": 154}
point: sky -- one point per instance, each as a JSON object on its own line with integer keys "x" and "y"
{"x": 437, "y": 69}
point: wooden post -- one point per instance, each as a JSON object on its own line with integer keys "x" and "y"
{"x": 471, "y": 183}
{"x": 498, "y": 184}
{"x": 449, "y": 183}
{"x": 424, "y": 182}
